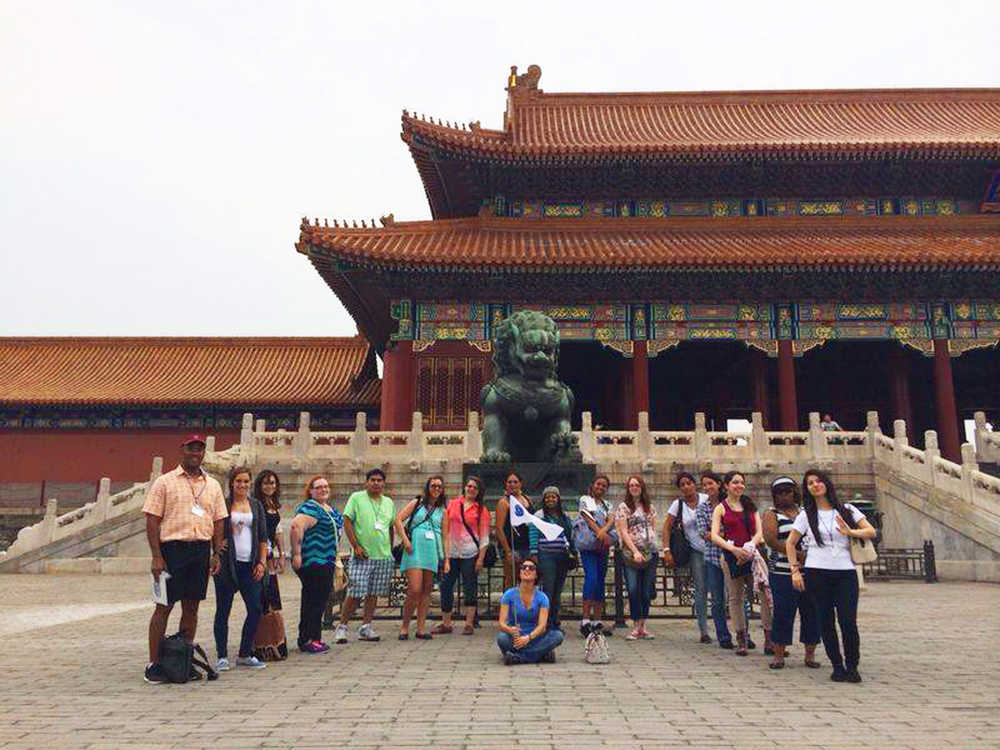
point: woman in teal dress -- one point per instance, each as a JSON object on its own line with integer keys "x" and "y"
{"x": 418, "y": 527}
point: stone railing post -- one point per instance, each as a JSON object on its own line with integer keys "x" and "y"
{"x": 871, "y": 426}
{"x": 931, "y": 451}
{"x": 246, "y": 436}
{"x": 473, "y": 438}
{"x": 644, "y": 442}
{"x": 818, "y": 447}
{"x": 416, "y": 443}
{"x": 700, "y": 438}
{"x": 48, "y": 529}
{"x": 900, "y": 440}
{"x": 157, "y": 468}
{"x": 103, "y": 504}
{"x": 758, "y": 438}
{"x": 302, "y": 441}
{"x": 969, "y": 465}
{"x": 210, "y": 444}
{"x": 260, "y": 425}
{"x": 359, "y": 442}
{"x": 588, "y": 441}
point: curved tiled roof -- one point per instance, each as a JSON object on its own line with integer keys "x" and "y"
{"x": 481, "y": 243}
{"x": 713, "y": 125}
{"x": 202, "y": 371}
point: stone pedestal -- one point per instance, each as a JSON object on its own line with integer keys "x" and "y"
{"x": 572, "y": 480}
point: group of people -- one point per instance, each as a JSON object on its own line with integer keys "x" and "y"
{"x": 196, "y": 531}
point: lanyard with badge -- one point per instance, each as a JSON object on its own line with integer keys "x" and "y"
{"x": 380, "y": 525}
{"x": 196, "y": 505}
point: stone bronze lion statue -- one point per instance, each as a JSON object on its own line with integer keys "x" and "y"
{"x": 526, "y": 408}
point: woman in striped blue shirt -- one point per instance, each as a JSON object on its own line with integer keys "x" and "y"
{"x": 553, "y": 555}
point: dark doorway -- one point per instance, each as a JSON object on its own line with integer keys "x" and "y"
{"x": 599, "y": 378}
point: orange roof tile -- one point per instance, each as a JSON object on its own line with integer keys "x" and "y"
{"x": 712, "y": 125}
{"x": 480, "y": 242}
{"x": 209, "y": 371}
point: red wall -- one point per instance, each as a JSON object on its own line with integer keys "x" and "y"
{"x": 88, "y": 455}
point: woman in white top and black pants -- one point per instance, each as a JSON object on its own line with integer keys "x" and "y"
{"x": 829, "y": 574}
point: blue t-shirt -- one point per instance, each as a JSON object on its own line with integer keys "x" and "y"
{"x": 319, "y": 543}
{"x": 526, "y": 619}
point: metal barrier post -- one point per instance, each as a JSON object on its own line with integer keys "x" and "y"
{"x": 930, "y": 564}
{"x": 619, "y": 595}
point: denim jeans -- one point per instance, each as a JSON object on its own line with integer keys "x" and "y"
{"x": 225, "y": 591}
{"x": 788, "y": 601}
{"x": 697, "y": 567}
{"x": 595, "y": 570}
{"x": 716, "y": 584}
{"x": 535, "y": 649}
{"x": 466, "y": 568}
{"x": 552, "y": 568}
{"x": 837, "y": 590}
{"x": 641, "y": 585}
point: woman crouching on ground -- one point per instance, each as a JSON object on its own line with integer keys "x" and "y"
{"x": 524, "y": 618}
{"x": 830, "y": 576}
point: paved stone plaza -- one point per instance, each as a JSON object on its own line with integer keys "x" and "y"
{"x": 72, "y": 650}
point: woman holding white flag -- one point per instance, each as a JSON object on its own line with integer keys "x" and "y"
{"x": 524, "y": 616}
{"x": 635, "y": 521}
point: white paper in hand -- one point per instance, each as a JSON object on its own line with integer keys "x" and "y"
{"x": 160, "y": 587}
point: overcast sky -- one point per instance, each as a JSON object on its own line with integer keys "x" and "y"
{"x": 156, "y": 157}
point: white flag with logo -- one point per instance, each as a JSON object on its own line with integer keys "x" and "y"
{"x": 519, "y": 516}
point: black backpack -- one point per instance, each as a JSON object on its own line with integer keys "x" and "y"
{"x": 177, "y": 659}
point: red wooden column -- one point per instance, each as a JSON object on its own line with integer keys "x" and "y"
{"x": 758, "y": 383}
{"x": 944, "y": 402}
{"x": 397, "y": 386}
{"x": 787, "y": 400}
{"x": 899, "y": 387}
{"x": 640, "y": 382}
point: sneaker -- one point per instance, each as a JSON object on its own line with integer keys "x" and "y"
{"x": 585, "y": 629}
{"x": 367, "y": 633}
{"x": 340, "y": 634}
{"x": 549, "y": 657}
{"x": 314, "y": 647}
{"x": 839, "y": 675}
{"x": 852, "y": 675}
{"x": 250, "y": 661}
{"x": 705, "y": 638}
{"x": 222, "y": 665}
{"x": 154, "y": 674}
{"x": 750, "y": 643}
{"x": 633, "y": 635}
{"x": 646, "y": 635}
{"x": 728, "y": 645}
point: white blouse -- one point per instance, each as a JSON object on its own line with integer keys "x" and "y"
{"x": 835, "y": 554}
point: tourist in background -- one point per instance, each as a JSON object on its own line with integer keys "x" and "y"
{"x": 828, "y": 527}
{"x": 184, "y": 512}
{"x": 269, "y": 643}
{"x": 635, "y": 522}
{"x": 552, "y": 555}
{"x": 524, "y": 613}
{"x": 368, "y": 518}
{"x": 314, "y": 533}
{"x": 777, "y": 523}
{"x": 687, "y": 508}
{"x": 418, "y": 526}
{"x": 593, "y": 535}
{"x": 736, "y": 530}
{"x": 243, "y": 569}
{"x": 465, "y": 532}
{"x": 513, "y": 541}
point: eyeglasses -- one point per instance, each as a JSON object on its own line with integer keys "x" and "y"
{"x": 528, "y": 566}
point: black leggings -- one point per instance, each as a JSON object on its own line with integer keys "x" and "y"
{"x": 466, "y": 568}
{"x": 317, "y": 582}
{"x": 837, "y": 590}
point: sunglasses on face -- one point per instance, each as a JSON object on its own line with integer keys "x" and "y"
{"x": 528, "y": 566}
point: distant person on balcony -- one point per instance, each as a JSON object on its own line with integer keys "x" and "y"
{"x": 686, "y": 508}
{"x": 635, "y": 522}
{"x": 368, "y": 518}
{"x": 829, "y": 425}
{"x": 513, "y": 541}
{"x": 593, "y": 535}
{"x": 553, "y": 556}
{"x": 184, "y": 512}
{"x": 828, "y": 527}
{"x": 777, "y": 523}
{"x": 244, "y": 566}
{"x": 465, "y": 532}
{"x": 418, "y": 525}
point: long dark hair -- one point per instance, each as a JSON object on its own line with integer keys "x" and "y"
{"x": 230, "y": 477}
{"x": 480, "y": 500}
{"x": 745, "y": 500}
{"x": 275, "y": 502}
{"x": 425, "y": 499}
{"x": 647, "y": 506}
{"x": 809, "y": 503}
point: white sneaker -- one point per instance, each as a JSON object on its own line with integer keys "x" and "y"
{"x": 250, "y": 661}
{"x": 367, "y": 633}
{"x": 340, "y": 634}
{"x": 222, "y": 665}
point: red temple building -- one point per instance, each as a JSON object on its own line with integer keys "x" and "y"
{"x": 727, "y": 252}
{"x": 75, "y": 409}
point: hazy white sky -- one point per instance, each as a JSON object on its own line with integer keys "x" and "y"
{"x": 156, "y": 158}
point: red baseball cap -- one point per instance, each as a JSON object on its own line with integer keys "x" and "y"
{"x": 193, "y": 439}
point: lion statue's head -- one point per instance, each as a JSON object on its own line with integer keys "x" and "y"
{"x": 527, "y": 344}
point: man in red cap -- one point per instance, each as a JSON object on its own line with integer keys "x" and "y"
{"x": 184, "y": 511}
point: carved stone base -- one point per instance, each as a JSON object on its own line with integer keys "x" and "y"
{"x": 572, "y": 480}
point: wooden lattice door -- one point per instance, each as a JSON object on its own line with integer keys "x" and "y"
{"x": 447, "y": 389}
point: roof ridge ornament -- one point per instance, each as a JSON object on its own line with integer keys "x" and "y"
{"x": 525, "y": 84}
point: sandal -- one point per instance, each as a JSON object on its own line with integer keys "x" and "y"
{"x": 424, "y": 636}
{"x": 812, "y": 664}
{"x": 404, "y": 636}
{"x": 776, "y": 664}
{"x": 468, "y": 630}
{"x": 442, "y": 629}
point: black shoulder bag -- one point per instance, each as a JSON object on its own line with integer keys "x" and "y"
{"x": 490, "y": 559}
{"x": 680, "y": 547}
{"x": 397, "y": 550}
